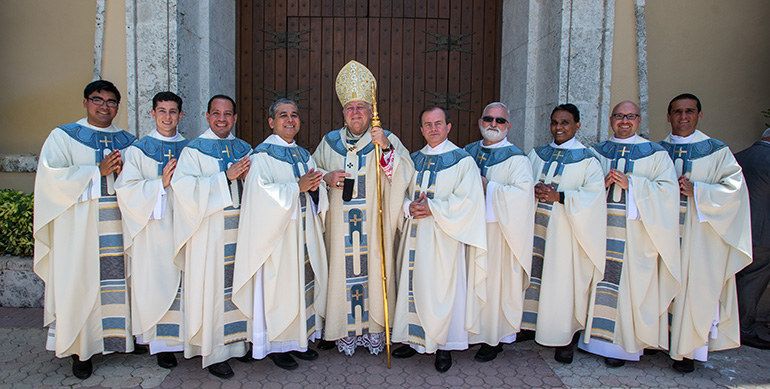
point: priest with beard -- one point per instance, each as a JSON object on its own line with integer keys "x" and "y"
{"x": 506, "y": 175}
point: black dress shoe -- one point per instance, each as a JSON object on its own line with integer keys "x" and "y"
{"x": 247, "y": 358}
{"x": 140, "y": 349}
{"x": 613, "y": 362}
{"x": 443, "y": 360}
{"x": 166, "y": 360}
{"x": 326, "y": 345}
{"x": 564, "y": 354}
{"x": 686, "y": 365}
{"x": 487, "y": 353}
{"x": 651, "y": 351}
{"x": 754, "y": 341}
{"x": 403, "y": 352}
{"x": 221, "y": 370}
{"x": 525, "y": 335}
{"x": 81, "y": 369}
{"x": 284, "y": 361}
{"x": 308, "y": 355}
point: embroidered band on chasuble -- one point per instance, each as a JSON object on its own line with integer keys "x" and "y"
{"x": 622, "y": 157}
{"x": 227, "y": 152}
{"x": 298, "y": 158}
{"x": 425, "y": 165}
{"x": 160, "y": 151}
{"x": 683, "y": 155}
{"x": 486, "y": 157}
{"x": 556, "y": 160}
{"x": 112, "y": 272}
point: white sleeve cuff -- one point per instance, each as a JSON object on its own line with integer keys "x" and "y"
{"x": 701, "y": 218}
{"x": 632, "y": 212}
{"x": 407, "y": 214}
{"x": 490, "y": 209}
{"x": 94, "y": 188}
{"x": 160, "y": 202}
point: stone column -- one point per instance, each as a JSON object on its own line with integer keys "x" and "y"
{"x": 185, "y": 46}
{"x": 555, "y": 52}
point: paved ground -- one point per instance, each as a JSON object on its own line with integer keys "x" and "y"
{"x": 24, "y": 362}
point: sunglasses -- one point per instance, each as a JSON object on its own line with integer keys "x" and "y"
{"x": 489, "y": 119}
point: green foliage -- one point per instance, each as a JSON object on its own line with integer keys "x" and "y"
{"x": 16, "y": 209}
{"x": 766, "y": 113}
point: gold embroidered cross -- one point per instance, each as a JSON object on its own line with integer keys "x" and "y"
{"x": 680, "y": 152}
{"x": 357, "y": 295}
{"x": 355, "y": 220}
{"x": 227, "y": 151}
{"x": 105, "y": 141}
{"x": 169, "y": 154}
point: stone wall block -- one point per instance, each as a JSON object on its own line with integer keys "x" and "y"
{"x": 18, "y": 163}
{"x": 20, "y": 287}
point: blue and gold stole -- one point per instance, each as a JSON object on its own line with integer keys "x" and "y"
{"x": 112, "y": 273}
{"x": 486, "y": 157}
{"x": 297, "y": 157}
{"x": 425, "y": 165}
{"x": 556, "y": 160}
{"x": 160, "y": 151}
{"x": 356, "y": 240}
{"x": 622, "y": 157}
{"x": 228, "y": 152}
{"x": 683, "y": 154}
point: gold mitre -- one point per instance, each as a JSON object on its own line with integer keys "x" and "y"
{"x": 354, "y": 83}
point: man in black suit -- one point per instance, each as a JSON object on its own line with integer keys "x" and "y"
{"x": 753, "y": 279}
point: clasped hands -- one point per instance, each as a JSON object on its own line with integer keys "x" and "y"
{"x": 546, "y": 192}
{"x": 419, "y": 208}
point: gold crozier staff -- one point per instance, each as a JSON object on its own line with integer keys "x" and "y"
{"x": 377, "y": 155}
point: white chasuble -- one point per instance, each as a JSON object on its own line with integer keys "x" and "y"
{"x": 569, "y": 244}
{"x": 149, "y": 241}
{"x": 280, "y": 262}
{"x": 715, "y": 228}
{"x": 206, "y": 228}
{"x": 641, "y": 273}
{"x": 354, "y": 308}
{"x": 509, "y": 238}
{"x": 437, "y": 251}
{"x": 79, "y": 243}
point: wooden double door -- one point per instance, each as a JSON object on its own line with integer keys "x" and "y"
{"x": 437, "y": 52}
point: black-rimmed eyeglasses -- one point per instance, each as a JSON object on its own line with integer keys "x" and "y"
{"x": 629, "y": 116}
{"x": 100, "y": 101}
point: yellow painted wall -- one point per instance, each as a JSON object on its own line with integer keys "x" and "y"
{"x": 48, "y": 48}
{"x": 718, "y": 50}
{"x": 625, "y": 83}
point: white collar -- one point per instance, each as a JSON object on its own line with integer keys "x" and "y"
{"x": 566, "y": 145}
{"x": 157, "y": 135}
{"x": 112, "y": 128}
{"x": 629, "y": 140}
{"x": 502, "y": 143}
{"x": 438, "y": 149}
{"x": 275, "y": 139}
{"x": 678, "y": 140}
{"x": 209, "y": 134}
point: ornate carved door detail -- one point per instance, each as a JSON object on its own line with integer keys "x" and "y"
{"x": 435, "y": 52}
